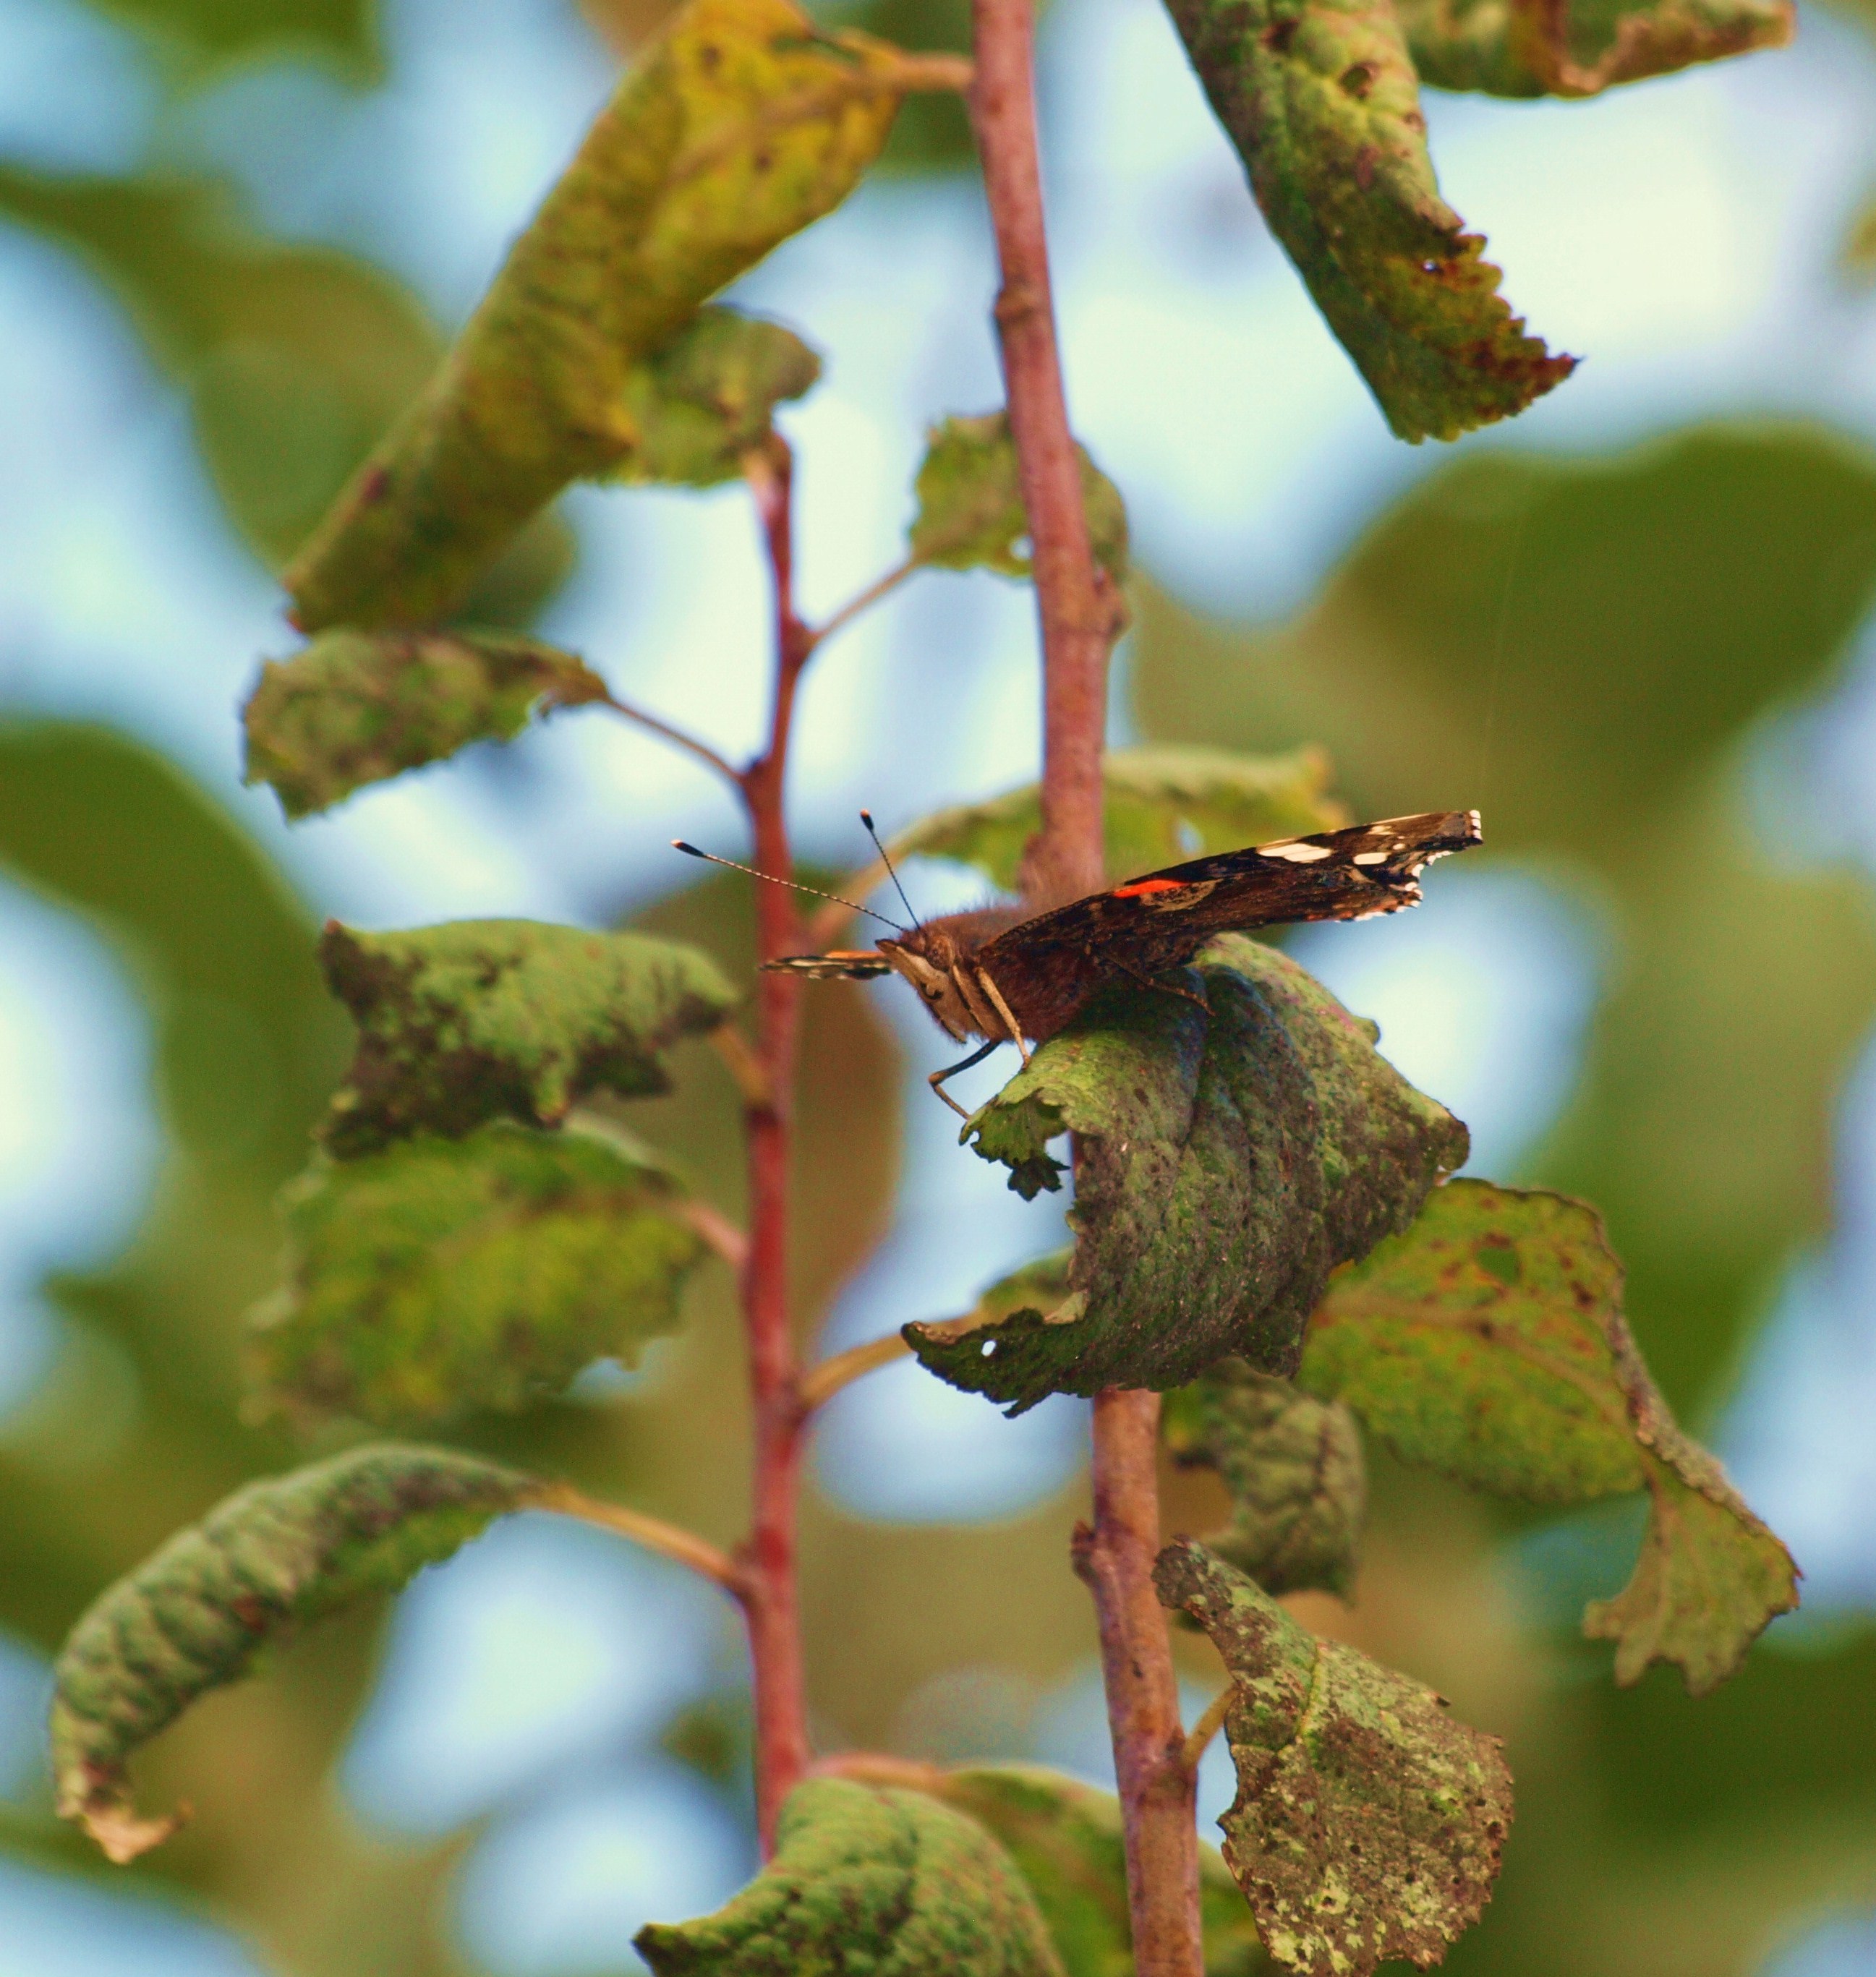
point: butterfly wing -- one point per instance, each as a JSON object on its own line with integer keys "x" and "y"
{"x": 1048, "y": 966}
{"x": 842, "y": 964}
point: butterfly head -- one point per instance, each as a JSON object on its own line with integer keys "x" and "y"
{"x": 925, "y": 956}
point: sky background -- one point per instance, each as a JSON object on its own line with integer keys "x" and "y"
{"x": 1680, "y": 233}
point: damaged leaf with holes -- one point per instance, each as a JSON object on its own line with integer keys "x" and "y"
{"x": 1487, "y": 1342}
{"x": 970, "y": 509}
{"x": 1295, "y": 1469}
{"x": 740, "y": 123}
{"x": 1367, "y": 1824}
{"x": 195, "y": 1615}
{"x": 1236, "y": 1142}
{"x": 442, "y": 1275}
{"x": 358, "y": 707}
{"x": 1161, "y": 805}
{"x": 477, "y": 1019}
{"x": 867, "y": 1877}
{"x": 1065, "y": 1838}
{"x": 1553, "y": 48}
{"x": 1320, "y": 98}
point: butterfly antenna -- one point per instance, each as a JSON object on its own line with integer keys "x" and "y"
{"x": 865, "y": 817}
{"x": 711, "y": 858}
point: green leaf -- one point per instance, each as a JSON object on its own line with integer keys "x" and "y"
{"x": 1231, "y": 1157}
{"x": 294, "y": 357}
{"x": 1161, "y": 805}
{"x": 703, "y": 401}
{"x": 221, "y": 34}
{"x": 1320, "y": 98}
{"x": 867, "y": 1878}
{"x": 484, "y": 1271}
{"x": 355, "y": 708}
{"x": 739, "y": 125}
{"x": 1553, "y": 48}
{"x": 477, "y": 1019}
{"x": 971, "y": 514}
{"x": 1294, "y": 1466}
{"x": 270, "y": 1558}
{"x": 1488, "y": 1342}
{"x": 1368, "y": 1823}
{"x": 1066, "y": 1840}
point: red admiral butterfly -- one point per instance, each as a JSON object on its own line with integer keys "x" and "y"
{"x": 1013, "y": 973}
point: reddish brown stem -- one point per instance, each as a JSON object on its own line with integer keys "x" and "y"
{"x": 772, "y": 1602}
{"x": 1079, "y": 611}
{"x": 1080, "y": 618}
{"x": 1156, "y": 1785}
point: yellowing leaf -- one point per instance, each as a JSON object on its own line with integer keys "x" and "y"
{"x": 1233, "y": 1152}
{"x": 477, "y": 1019}
{"x": 271, "y": 1558}
{"x": 356, "y": 707}
{"x": 1579, "y": 47}
{"x": 1488, "y": 1342}
{"x": 1320, "y": 99}
{"x": 740, "y": 124}
{"x": 1368, "y": 1823}
{"x": 1162, "y": 805}
{"x": 867, "y": 1878}
{"x": 485, "y": 1271}
{"x": 971, "y": 514}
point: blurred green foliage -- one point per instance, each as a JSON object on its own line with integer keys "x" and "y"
{"x": 193, "y": 35}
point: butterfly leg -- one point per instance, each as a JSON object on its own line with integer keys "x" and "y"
{"x": 1002, "y": 1009}
{"x": 937, "y": 1078}
{"x": 1163, "y": 988}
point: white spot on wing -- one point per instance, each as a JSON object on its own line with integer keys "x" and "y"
{"x": 1371, "y": 857}
{"x": 1295, "y": 853}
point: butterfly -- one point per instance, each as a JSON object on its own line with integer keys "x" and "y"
{"x": 1012, "y": 974}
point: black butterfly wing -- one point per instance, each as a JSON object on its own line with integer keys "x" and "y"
{"x": 1047, "y": 967}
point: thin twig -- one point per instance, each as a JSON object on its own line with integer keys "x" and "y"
{"x": 676, "y": 736}
{"x": 865, "y": 601}
{"x": 820, "y": 1384}
{"x": 752, "y": 1078}
{"x": 1206, "y": 1728}
{"x": 654, "y": 1533}
{"x": 718, "y": 1230}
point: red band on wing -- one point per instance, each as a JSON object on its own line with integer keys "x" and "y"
{"x": 1143, "y": 886}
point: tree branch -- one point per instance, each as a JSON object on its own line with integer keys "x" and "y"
{"x": 773, "y": 1605}
{"x": 1080, "y": 619}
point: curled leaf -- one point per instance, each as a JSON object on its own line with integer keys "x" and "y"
{"x": 703, "y": 401}
{"x": 1235, "y": 1147}
{"x": 1580, "y": 47}
{"x": 1295, "y": 1469}
{"x": 1367, "y": 1824}
{"x": 477, "y": 1019}
{"x": 872, "y": 1878}
{"x": 1320, "y": 99}
{"x": 268, "y": 1559}
{"x": 740, "y": 123}
{"x": 971, "y": 514}
{"x": 356, "y": 707}
{"x": 1161, "y": 805}
{"x": 1488, "y": 1342}
{"x": 484, "y": 1272}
